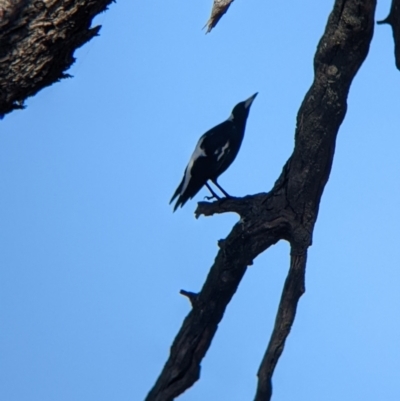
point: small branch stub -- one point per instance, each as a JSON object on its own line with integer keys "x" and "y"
{"x": 192, "y": 296}
{"x": 393, "y": 19}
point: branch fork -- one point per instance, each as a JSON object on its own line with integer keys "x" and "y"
{"x": 288, "y": 212}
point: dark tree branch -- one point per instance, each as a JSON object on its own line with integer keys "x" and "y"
{"x": 37, "y": 42}
{"x": 192, "y": 342}
{"x": 393, "y": 19}
{"x": 292, "y": 291}
{"x": 288, "y": 212}
{"x": 224, "y": 205}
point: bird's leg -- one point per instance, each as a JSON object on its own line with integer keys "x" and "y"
{"x": 221, "y": 189}
{"x": 214, "y": 195}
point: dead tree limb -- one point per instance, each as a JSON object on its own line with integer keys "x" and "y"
{"x": 293, "y": 289}
{"x": 288, "y": 211}
{"x": 37, "y": 42}
{"x": 219, "y": 8}
{"x": 393, "y": 19}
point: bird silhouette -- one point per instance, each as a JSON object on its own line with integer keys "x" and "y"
{"x": 214, "y": 153}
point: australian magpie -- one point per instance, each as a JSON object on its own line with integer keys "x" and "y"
{"x": 214, "y": 153}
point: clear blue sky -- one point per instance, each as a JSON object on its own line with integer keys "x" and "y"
{"x": 92, "y": 258}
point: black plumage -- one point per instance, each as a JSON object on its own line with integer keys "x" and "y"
{"x": 214, "y": 153}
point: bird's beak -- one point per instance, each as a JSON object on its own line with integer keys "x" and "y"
{"x": 249, "y": 101}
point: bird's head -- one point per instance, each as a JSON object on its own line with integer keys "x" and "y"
{"x": 241, "y": 110}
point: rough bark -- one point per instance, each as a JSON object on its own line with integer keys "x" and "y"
{"x": 288, "y": 211}
{"x": 393, "y": 19}
{"x": 37, "y": 42}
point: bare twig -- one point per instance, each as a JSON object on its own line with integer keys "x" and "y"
{"x": 393, "y": 19}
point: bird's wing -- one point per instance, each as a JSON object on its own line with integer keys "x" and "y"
{"x": 178, "y": 190}
{"x": 217, "y": 137}
{"x": 217, "y": 146}
{"x": 208, "y": 158}
{"x": 194, "y": 177}
{"x": 199, "y": 153}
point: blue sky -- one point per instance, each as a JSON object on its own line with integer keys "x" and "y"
{"x": 92, "y": 258}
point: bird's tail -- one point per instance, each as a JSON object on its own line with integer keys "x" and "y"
{"x": 189, "y": 192}
{"x": 176, "y": 193}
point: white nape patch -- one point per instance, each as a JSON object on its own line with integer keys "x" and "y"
{"x": 231, "y": 117}
{"x": 198, "y": 152}
{"x": 223, "y": 149}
